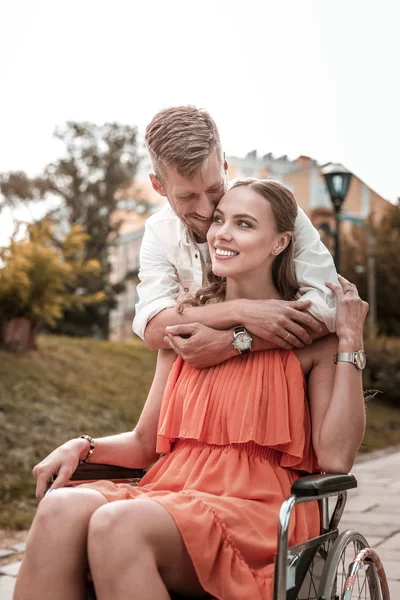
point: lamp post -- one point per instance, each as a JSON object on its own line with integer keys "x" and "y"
{"x": 337, "y": 179}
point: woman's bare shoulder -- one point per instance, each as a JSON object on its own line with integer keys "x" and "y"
{"x": 320, "y": 350}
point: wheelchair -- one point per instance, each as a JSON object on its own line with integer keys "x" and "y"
{"x": 332, "y": 566}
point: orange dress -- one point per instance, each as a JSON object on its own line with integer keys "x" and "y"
{"x": 234, "y": 438}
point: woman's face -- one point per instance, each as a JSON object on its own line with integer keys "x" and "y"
{"x": 243, "y": 238}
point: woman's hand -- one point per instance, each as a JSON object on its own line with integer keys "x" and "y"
{"x": 351, "y": 312}
{"x": 62, "y": 462}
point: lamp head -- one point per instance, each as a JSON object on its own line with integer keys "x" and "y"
{"x": 337, "y": 179}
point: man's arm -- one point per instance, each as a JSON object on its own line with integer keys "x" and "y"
{"x": 203, "y": 347}
{"x": 273, "y": 323}
{"x": 270, "y": 320}
{"x": 314, "y": 267}
{"x": 158, "y": 293}
{"x": 159, "y": 285}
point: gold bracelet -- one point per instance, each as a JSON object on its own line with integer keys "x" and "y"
{"x": 91, "y": 449}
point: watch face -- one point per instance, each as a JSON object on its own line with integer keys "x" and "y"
{"x": 361, "y": 360}
{"x": 242, "y": 341}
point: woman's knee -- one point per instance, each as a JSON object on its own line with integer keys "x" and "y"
{"x": 136, "y": 528}
{"x": 107, "y": 523}
{"x": 136, "y": 536}
{"x": 117, "y": 525}
{"x": 65, "y": 506}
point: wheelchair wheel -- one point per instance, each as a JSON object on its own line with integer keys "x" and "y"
{"x": 353, "y": 571}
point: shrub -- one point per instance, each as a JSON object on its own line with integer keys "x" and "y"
{"x": 38, "y": 275}
{"x": 383, "y": 368}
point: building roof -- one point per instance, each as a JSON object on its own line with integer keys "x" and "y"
{"x": 128, "y": 237}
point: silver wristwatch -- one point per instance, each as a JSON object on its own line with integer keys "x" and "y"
{"x": 358, "y": 358}
{"x": 241, "y": 339}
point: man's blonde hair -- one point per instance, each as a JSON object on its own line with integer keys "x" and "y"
{"x": 183, "y": 137}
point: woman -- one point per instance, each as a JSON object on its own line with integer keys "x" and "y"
{"x": 234, "y": 439}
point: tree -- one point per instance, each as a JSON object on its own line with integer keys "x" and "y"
{"x": 99, "y": 164}
{"x": 17, "y": 187}
{"x": 382, "y": 237}
{"x": 36, "y": 277}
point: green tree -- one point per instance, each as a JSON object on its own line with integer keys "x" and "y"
{"x": 98, "y": 165}
{"x": 382, "y": 238}
{"x": 36, "y": 277}
{"x": 17, "y": 187}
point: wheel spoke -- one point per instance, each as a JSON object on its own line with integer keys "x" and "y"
{"x": 362, "y": 582}
{"x": 362, "y": 588}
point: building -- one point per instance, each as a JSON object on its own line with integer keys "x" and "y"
{"x": 134, "y": 206}
{"x": 302, "y": 176}
{"x": 137, "y": 202}
{"x": 124, "y": 259}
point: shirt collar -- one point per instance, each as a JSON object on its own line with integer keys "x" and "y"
{"x": 185, "y": 238}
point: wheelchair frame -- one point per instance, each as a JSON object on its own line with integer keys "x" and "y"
{"x": 320, "y": 488}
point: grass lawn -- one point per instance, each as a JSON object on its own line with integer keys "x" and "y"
{"x": 67, "y": 387}
{"x": 383, "y": 426}
{"x": 71, "y": 386}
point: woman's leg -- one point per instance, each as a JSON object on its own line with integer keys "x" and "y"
{"x": 136, "y": 551}
{"x": 55, "y": 561}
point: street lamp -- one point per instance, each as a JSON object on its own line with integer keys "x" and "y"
{"x": 337, "y": 179}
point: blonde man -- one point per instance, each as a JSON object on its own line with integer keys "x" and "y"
{"x": 190, "y": 170}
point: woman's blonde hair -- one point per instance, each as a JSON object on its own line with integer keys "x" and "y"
{"x": 284, "y": 209}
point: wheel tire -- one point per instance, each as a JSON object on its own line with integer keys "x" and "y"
{"x": 367, "y": 581}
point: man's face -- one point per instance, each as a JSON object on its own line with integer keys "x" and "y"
{"x": 194, "y": 199}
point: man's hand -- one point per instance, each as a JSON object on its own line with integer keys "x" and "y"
{"x": 284, "y": 324}
{"x": 199, "y": 345}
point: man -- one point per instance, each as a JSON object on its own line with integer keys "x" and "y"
{"x": 190, "y": 170}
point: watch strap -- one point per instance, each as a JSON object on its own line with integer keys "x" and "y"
{"x": 239, "y": 329}
{"x": 345, "y": 357}
{"x": 357, "y": 358}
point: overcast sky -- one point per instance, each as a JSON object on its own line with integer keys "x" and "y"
{"x": 293, "y": 77}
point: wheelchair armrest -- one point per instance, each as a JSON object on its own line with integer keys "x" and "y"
{"x": 93, "y": 472}
{"x": 312, "y": 486}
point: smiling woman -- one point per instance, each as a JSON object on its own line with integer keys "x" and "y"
{"x": 256, "y": 219}
{"x": 251, "y": 244}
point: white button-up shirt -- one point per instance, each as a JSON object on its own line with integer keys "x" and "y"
{"x": 171, "y": 266}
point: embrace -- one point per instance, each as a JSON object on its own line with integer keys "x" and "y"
{"x": 258, "y": 381}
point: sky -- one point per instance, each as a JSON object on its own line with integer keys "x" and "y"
{"x": 311, "y": 77}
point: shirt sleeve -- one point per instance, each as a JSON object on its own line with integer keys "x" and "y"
{"x": 314, "y": 266}
{"x": 159, "y": 285}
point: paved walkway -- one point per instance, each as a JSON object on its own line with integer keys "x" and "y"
{"x": 373, "y": 508}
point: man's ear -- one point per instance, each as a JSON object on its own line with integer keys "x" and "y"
{"x": 157, "y": 185}
{"x": 225, "y": 164}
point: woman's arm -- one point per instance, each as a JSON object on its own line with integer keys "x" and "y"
{"x": 135, "y": 448}
{"x": 335, "y": 390}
